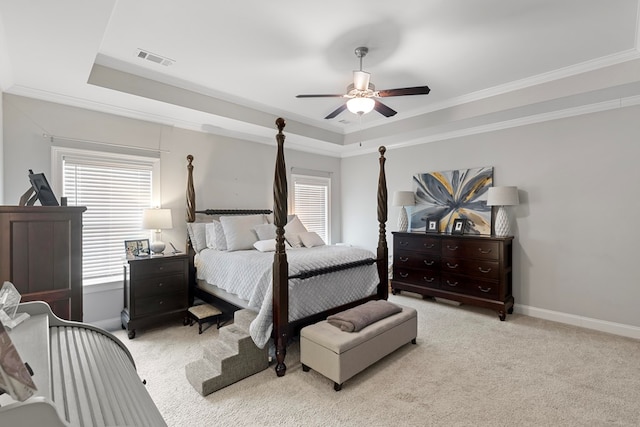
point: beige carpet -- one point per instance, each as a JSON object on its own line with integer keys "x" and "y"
{"x": 468, "y": 369}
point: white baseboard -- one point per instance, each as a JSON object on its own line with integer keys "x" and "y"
{"x": 584, "y": 322}
{"x": 112, "y": 324}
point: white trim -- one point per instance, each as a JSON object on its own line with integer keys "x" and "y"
{"x": 112, "y": 324}
{"x": 621, "y": 329}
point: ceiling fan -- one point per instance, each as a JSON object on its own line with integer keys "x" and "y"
{"x": 362, "y": 94}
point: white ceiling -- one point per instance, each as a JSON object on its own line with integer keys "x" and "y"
{"x": 239, "y": 65}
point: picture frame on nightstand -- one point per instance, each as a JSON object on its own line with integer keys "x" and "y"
{"x": 458, "y": 226}
{"x": 433, "y": 225}
{"x": 136, "y": 248}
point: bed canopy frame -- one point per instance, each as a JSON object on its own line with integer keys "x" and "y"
{"x": 282, "y": 327}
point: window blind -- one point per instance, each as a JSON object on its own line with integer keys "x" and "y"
{"x": 311, "y": 203}
{"x": 115, "y": 194}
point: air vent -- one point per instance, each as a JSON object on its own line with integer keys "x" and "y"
{"x": 143, "y": 54}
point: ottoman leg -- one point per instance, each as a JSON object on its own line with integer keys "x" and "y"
{"x": 337, "y": 387}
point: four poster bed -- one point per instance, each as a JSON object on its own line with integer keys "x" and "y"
{"x": 288, "y": 288}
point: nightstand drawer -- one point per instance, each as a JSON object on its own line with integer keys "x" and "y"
{"x": 151, "y": 286}
{"x": 159, "y": 266}
{"x": 160, "y": 304}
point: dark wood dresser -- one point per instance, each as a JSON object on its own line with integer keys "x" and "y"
{"x": 41, "y": 254}
{"x": 155, "y": 288}
{"x": 470, "y": 269}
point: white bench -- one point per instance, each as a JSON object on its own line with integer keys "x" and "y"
{"x": 339, "y": 355}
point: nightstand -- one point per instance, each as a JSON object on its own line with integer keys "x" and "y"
{"x": 155, "y": 289}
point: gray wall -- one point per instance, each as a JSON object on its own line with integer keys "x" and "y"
{"x": 575, "y": 247}
{"x": 228, "y": 173}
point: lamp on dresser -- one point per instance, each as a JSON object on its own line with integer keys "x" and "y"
{"x": 403, "y": 198}
{"x": 501, "y": 197}
{"x": 157, "y": 220}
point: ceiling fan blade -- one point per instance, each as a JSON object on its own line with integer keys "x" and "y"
{"x": 417, "y": 90}
{"x": 383, "y": 109}
{"x": 319, "y": 96}
{"x": 337, "y": 111}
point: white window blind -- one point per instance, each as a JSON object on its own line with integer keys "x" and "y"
{"x": 311, "y": 197}
{"x": 115, "y": 191}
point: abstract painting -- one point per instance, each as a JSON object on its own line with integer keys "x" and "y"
{"x": 449, "y": 195}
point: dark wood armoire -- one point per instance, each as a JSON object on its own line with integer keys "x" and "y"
{"x": 41, "y": 254}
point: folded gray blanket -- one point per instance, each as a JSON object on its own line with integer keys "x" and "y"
{"x": 358, "y": 317}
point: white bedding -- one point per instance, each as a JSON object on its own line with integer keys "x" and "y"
{"x": 247, "y": 274}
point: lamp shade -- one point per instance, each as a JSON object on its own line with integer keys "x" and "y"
{"x": 157, "y": 219}
{"x": 502, "y": 196}
{"x": 360, "y": 105}
{"x": 404, "y": 198}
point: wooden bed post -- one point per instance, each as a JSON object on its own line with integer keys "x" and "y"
{"x": 191, "y": 193}
{"x": 280, "y": 264}
{"x": 383, "y": 250}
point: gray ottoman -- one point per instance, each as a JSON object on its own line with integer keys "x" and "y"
{"x": 339, "y": 355}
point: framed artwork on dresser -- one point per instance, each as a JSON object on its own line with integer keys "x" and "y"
{"x": 433, "y": 225}
{"x": 458, "y": 226}
{"x": 136, "y": 248}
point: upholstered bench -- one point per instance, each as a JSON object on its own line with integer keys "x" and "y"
{"x": 339, "y": 355}
{"x": 204, "y": 313}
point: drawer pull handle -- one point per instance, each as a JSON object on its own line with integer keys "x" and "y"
{"x": 403, "y": 259}
{"x": 452, "y": 266}
{"x": 427, "y": 262}
{"x": 403, "y": 274}
{"x": 402, "y": 243}
{"x": 452, "y": 248}
{"x": 161, "y": 302}
{"x": 161, "y": 268}
{"x": 160, "y": 284}
{"x": 430, "y": 246}
{"x": 488, "y": 251}
{"x": 452, "y": 284}
{"x": 428, "y": 279}
{"x": 485, "y": 290}
{"x": 483, "y": 270}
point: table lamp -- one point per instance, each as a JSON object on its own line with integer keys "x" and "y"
{"x": 157, "y": 220}
{"x": 501, "y": 197}
{"x": 403, "y": 198}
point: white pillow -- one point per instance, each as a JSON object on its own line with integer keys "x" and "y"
{"x": 197, "y": 235}
{"x": 268, "y": 245}
{"x": 220, "y": 241}
{"x": 238, "y": 231}
{"x": 311, "y": 239}
{"x": 210, "y": 231}
{"x": 265, "y": 231}
{"x": 291, "y": 231}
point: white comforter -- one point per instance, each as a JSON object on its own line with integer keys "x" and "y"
{"x": 247, "y": 274}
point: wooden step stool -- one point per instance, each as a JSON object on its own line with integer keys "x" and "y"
{"x": 204, "y": 313}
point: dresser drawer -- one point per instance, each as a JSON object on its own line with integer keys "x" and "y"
{"x": 160, "y": 304}
{"x": 161, "y": 266}
{"x": 159, "y": 285}
{"x": 472, "y": 248}
{"x": 429, "y": 278}
{"x": 472, "y": 267}
{"x": 470, "y": 286}
{"x": 416, "y": 242}
{"x": 410, "y": 259}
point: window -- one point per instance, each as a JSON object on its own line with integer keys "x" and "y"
{"x": 311, "y": 196}
{"x": 115, "y": 189}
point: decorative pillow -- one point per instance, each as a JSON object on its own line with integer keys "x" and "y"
{"x": 311, "y": 239}
{"x": 268, "y": 245}
{"x": 238, "y": 231}
{"x": 291, "y": 231}
{"x": 210, "y": 231}
{"x": 220, "y": 241}
{"x": 197, "y": 235}
{"x": 265, "y": 231}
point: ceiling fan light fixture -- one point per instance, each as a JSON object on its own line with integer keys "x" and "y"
{"x": 361, "y": 80}
{"x": 360, "y": 105}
